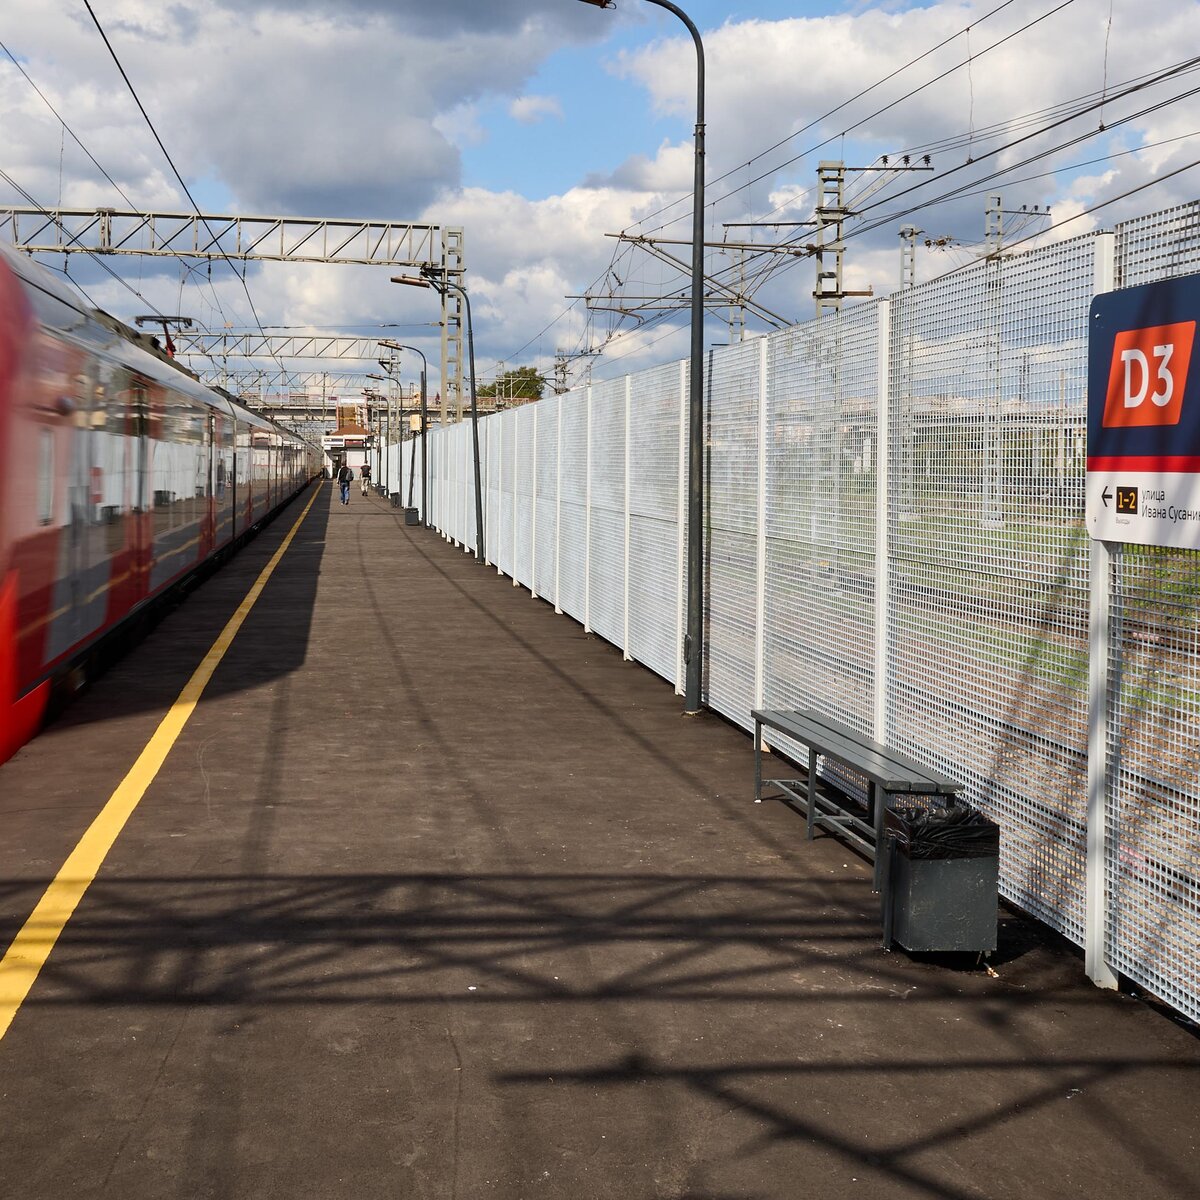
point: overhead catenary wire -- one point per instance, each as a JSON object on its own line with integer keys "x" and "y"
{"x": 25, "y": 195}
{"x": 1141, "y": 84}
{"x": 186, "y": 191}
{"x": 773, "y": 266}
{"x": 878, "y": 112}
{"x": 796, "y": 133}
{"x": 817, "y": 120}
{"x": 759, "y": 267}
{"x": 93, "y": 159}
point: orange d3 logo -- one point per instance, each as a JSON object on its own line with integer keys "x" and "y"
{"x": 1148, "y": 375}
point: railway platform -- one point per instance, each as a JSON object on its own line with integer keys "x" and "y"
{"x": 434, "y": 895}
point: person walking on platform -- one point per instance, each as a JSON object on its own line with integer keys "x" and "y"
{"x": 344, "y": 477}
{"x": 364, "y": 473}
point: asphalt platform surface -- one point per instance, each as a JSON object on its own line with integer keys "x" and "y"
{"x": 436, "y": 896}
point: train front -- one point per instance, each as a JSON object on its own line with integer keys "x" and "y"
{"x": 21, "y": 707}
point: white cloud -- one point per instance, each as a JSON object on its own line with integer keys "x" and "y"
{"x": 529, "y": 110}
{"x": 366, "y": 108}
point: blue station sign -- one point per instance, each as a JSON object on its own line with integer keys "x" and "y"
{"x": 1143, "y": 419}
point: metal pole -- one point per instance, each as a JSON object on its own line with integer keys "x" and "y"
{"x": 434, "y": 280}
{"x": 412, "y": 469}
{"x": 479, "y": 555}
{"x": 693, "y": 645}
{"x": 424, "y": 458}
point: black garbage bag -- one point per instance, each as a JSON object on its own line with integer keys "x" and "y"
{"x": 954, "y": 830}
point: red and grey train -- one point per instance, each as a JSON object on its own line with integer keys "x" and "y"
{"x": 120, "y": 476}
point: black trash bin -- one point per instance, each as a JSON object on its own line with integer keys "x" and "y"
{"x": 412, "y": 516}
{"x": 395, "y": 498}
{"x": 941, "y": 878}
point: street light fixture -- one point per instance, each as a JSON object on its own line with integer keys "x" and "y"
{"x": 389, "y": 345}
{"x": 431, "y": 278}
{"x": 693, "y": 642}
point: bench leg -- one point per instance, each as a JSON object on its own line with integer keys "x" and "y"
{"x": 812, "y": 792}
{"x": 757, "y": 762}
{"x": 878, "y": 802}
{"x": 885, "y": 853}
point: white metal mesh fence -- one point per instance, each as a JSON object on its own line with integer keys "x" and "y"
{"x": 989, "y": 585}
{"x": 732, "y": 387}
{"x": 500, "y": 544}
{"x": 606, "y": 512}
{"x": 545, "y": 540}
{"x": 820, "y": 516}
{"x": 573, "y": 492}
{"x": 1153, "y": 795}
{"x": 524, "y": 484}
{"x": 655, "y": 549}
{"x": 982, "y": 666}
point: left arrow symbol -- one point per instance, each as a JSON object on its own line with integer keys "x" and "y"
{"x": 1106, "y": 495}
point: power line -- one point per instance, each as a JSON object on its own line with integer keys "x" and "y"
{"x": 870, "y": 117}
{"x": 817, "y": 120}
{"x": 1141, "y": 83}
{"x": 1074, "y": 141}
{"x": 174, "y": 169}
{"x": 12, "y": 183}
{"x": 94, "y": 160}
{"x": 618, "y": 252}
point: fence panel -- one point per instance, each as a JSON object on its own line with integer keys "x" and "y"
{"x": 524, "y": 482}
{"x": 606, "y": 604}
{"x": 989, "y": 559}
{"x": 1152, "y": 867}
{"x": 546, "y": 539}
{"x": 654, "y": 519}
{"x": 731, "y": 552}
{"x": 500, "y": 550}
{"x": 572, "y": 542}
{"x": 822, "y": 447}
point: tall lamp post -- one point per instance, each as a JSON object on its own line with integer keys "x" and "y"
{"x": 431, "y": 278}
{"x": 385, "y": 448}
{"x": 693, "y": 642}
{"x": 424, "y": 426}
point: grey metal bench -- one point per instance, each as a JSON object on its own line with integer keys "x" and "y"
{"x": 888, "y": 773}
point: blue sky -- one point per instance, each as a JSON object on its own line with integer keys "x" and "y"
{"x": 605, "y": 118}
{"x": 405, "y": 110}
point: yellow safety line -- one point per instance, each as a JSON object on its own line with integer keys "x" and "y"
{"x": 31, "y": 947}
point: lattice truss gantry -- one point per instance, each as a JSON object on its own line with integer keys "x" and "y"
{"x": 257, "y": 239}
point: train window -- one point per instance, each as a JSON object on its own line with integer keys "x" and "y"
{"x": 45, "y": 484}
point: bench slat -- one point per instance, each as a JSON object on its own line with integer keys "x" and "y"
{"x": 858, "y": 754}
{"x": 891, "y": 771}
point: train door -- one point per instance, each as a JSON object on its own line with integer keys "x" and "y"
{"x": 208, "y": 536}
{"x": 93, "y": 571}
{"x": 143, "y": 528}
{"x": 234, "y": 478}
{"x": 75, "y": 534}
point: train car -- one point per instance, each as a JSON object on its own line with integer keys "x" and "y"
{"x": 120, "y": 476}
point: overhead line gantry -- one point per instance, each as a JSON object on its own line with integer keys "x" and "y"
{"x": 258, "y": 239}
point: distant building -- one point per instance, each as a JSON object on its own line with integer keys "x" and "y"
{"x": 351, "y": 441}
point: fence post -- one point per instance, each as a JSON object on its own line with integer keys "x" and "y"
{"x": 1099, "y": 643}
{"x": 533, "y": 408}
{"x": 883, "y": 575}
{"x": 500, "y": 489}
{"x": 587, "y": 520}
{"x": 558, "y": 505}
{"x": 681, "y": 526}
{"x": 449, "y": 474}
{"x": 760, "y": 582}
{"x": 628, "y": 395}
{"x": 516, "y": 488}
